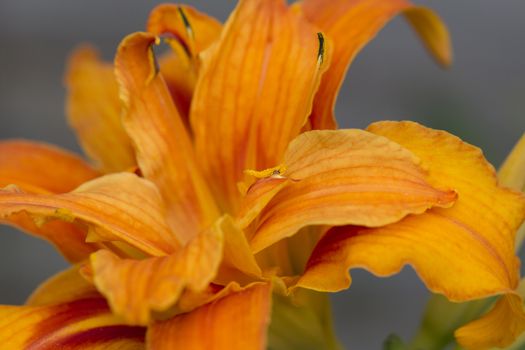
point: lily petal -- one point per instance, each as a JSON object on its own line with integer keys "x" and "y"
{"x": 164, "y": 150}
{"x": 346, "y": 177}
{"x": 254, "y": 92}
{"x": 135, "y": 288}
{"x": 94, "y": 111}
{"x": 351, "y": 25}
{"x": 116, "y": 207}
{"x": 41, "y": 168}
{"x": 188, "y": 32}
{"x": 464, "y": 252}
{"x": 80, "y": 324}
{"x": 65, "y": 286}
{"x": 237, "y": 321}
{"x": 497, "y": 328}
{"x": 512, "y": 172}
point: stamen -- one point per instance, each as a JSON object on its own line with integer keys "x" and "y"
{"x": 320, "y": 52}
{"x": 186, "y": 22}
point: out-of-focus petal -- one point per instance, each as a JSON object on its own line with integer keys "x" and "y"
{"x": 512, "y": 172}
{"x": 65, "y": 286}
{"x": 346, "y": 177}
{"x": 164, "y": 150}
{"x": 94, "y": 111}
{"x": 135, "y": 288}
{"x": 350, "y": 25}
{"x": 41, "y": 168}
{"x": 237, "y": 321}
{"x": 116, "y": 207}
{"x": 497, "y": 328}
{"x": 81, "y": 324}
{"x": 464, "y": 252}
{"x": 254, "y": 92}
{"x": 188, "y": 32}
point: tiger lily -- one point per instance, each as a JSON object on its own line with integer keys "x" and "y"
{"x": 223, "y": 201}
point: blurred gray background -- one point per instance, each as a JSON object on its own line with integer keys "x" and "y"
{"x": 481, "y": 99}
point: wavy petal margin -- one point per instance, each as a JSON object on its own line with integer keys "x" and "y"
{"x": 464, "y": 252}
{"x": 345, "y": 177}
{"x": 117, "y": 207}
{"x": 350, "y": 25}
{"x": 237, "y": 321}
{"x": 135, "y": 288}
{"x": 40, "y": 168}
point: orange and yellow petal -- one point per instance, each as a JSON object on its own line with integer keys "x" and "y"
{"x": 346, "y": 177}
{"x": 512, "y": 172}
{"x": 350, "y": 25}
{"x": 237, "y": 321}
{"x": 117, "y": 207}
{"x": 65, "y": 286}
{"x": 94, "y": 111}
{"x": 464, "y": 252}
{"x": 164, "y": 149}
{"x": 254, "y": 92}
{"x": 79, "y": 324}
{"x": 136, "y": 288}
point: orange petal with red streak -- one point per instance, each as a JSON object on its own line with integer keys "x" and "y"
{"x": 346, "y": 177}
{"x": 164, "y": 150}
{"x": 94, "y": 110}
{"x": 254, "y": 92}
{"x": 464, "y": 252}
{"x": 350, "y": 25}
{"x": 237, "y": 321}
{"x": 80, "y": 324}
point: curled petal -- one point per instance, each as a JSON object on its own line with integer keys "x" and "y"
{"x": 464, "y": 252}
{"x": 188, "y": 32}
{"x": 135, "y": 288}
{"x": 193, "y": 29}
{"x": 42, "y": 169}
{"x": 79, "y": 324}
{"x": 237, "y": 321}
{"x": 117, "y": 207}
{"x": 254, "y": 92}
{"x": 164, "y": 150}
{"x": 498, "y": 328}
{"x": 65, "y": 286}
{"x": 94, "y": 110}
{"x": 346, "y": 177}
{"x": 350, "y": 25}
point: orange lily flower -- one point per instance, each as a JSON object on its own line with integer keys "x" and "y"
{"x": 220, "y": 188}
